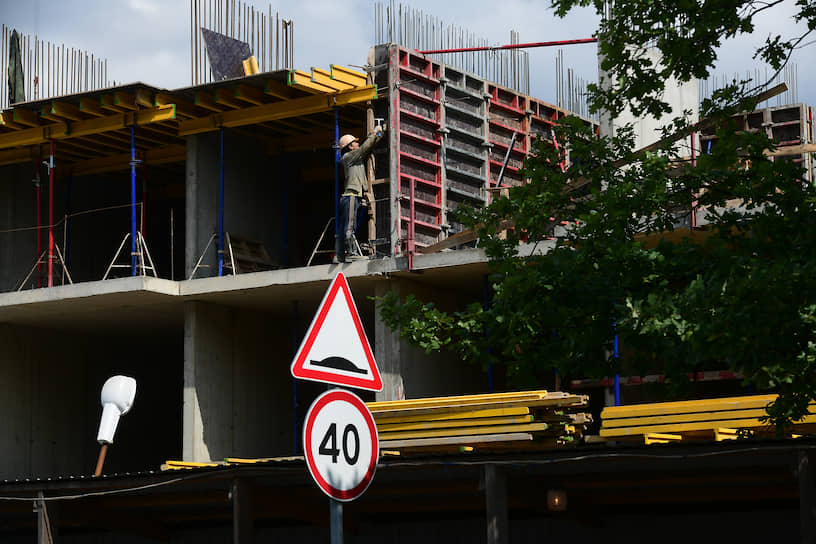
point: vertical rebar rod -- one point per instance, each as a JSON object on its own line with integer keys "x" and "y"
{"x": 51, "y": 216}
{"x": 338, "y": 241}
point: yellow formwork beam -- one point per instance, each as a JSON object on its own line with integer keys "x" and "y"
{"x": 91, "y": 106}
{"x": 7, "y": 120}
{"x": 63, "y": 110}
{"x": 468, "y": 431}
{"x": 661, "y": 438}
{"x": 460, "y": 399}
{"x": 347, "y": 75}
{"x": 125, "y": 100}
{"x": 207, "y": 101}
{"x": 276, "y": 110}
{"x": 746, "y": 423}
{"x": 302, "y": 80}
{"x": 498, "y": 412}
{"x": 176, "y": 465}
{"x": 144, "y": 98}
{"x": 570, "y": 400}
{"x": 227, "y": 98}
{"x": 121, "y": 161}
{"x": 322, "y": 77}
{"x": 26, "y": 117}
{"x": 717, "y": 415}
{"x": 75, "y": 129}
{"x": 183, "y": 107}
{"x": 250, "y": 94}
{"x": 453, "y": 423}
{"x": 21, "y": 154}
{"x": 688, "y": 406}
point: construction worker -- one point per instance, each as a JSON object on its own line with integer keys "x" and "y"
{"x": 353, "y": 197}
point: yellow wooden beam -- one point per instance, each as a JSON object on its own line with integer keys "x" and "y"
{"x": 108, "y": 102}
{"x": 144, "y": 98}
{"x": 74, "y": 129}
{"x": 125, "y": 100}
{"x": 458, "y": 399}
{"x": 121, "y": 161}
{"x": 277, "y": 110}
{"x": 206, "y": 100}
{"x": 183, "y": 107}
{"x": 347, "y": 75}
{"x": 688, "y": 406}
{"x": 683, "y": 418}
{"x": 487, "y": 429}
{"x": 26, "y": 117}
{"x": 323, "y": 77}
{"x": 303, "y": 81}
{"x": 746, "y": 423}
{"x": 227, "y": 98}
{"x": 452, "y": 423}
{"x": 499, "y": 412}
{"x": 250, "y": 94}
{"x": 91, "y": 106}
{"x": 279, "y": 90}
{"x": 21, "y": 154}
{"x": 63, "y": 110}
{"x": 7, "y": 120}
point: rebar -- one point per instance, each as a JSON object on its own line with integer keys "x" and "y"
{"x": 50, "y": 69}
{"x": 789, "y": 75}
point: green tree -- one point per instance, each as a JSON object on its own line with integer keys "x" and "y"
{"x": 595, "y": 251}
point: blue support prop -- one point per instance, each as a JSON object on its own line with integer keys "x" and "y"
{"x": 221, "y": 205}
{"x": 338, "y": 239}
{"x": 134, "y": 265}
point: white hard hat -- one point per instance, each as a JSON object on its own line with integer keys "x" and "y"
{"x": 345, "y": 140}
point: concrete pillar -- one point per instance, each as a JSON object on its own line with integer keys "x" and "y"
{"x": 388, "y": 350}
{"x": 201, "y": 203}
{"x": 495, "y": 484}
{"x": 208, "y": 378}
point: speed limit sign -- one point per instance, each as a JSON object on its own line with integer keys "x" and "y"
{"x": 341, "y": 444}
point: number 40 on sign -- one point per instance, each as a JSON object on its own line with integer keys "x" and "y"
{"x": 341, "y": 444}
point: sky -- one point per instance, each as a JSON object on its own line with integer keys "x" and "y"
{"x": 149, "y": 40}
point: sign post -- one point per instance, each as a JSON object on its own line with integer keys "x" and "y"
{"x": 340, "y": 440}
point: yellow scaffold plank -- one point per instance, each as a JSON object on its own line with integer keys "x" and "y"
{"x": 347, "y": 75}
{"x": 453, "y": 424}
{"x": 303, "y": 81}
{"x": 718, "y": 415}
{"x": 456, "y": 440}
{"x": 492, "y": 412}
{"x": 74, "y": 129}
{"x": 747, "y": 423}
{"x": 661, "y": 438}
{"x": 490, "y": 429}
{"x": 175, "y": 465}
{"x": 687, "y": 406}
{"x": 460, "y": 399}
{"x": 323, "y": 77}
{"x": 276, "y": 110}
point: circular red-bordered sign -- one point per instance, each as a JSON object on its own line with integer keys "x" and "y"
{"x": 341, "y": 444}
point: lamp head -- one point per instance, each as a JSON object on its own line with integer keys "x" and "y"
{"x": 117, "y": 399}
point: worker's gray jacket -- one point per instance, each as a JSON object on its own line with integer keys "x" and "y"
{"x": 354, "y": 166}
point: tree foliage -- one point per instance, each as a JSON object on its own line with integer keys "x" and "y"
{"x": 596, "y": 251}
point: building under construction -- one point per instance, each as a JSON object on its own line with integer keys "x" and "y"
{"x": 185, "y": 238}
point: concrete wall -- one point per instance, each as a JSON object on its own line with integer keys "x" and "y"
{"x": 407, "y": 371}
{"x": 681, "y": 96}
{"x": 18, "y": 250}
{"x": 237, "y": 385}
{"x": 253, "y": 190}
{"x": 50, "y": 402}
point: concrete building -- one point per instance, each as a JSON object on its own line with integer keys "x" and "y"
{"x": 248, "y": 163}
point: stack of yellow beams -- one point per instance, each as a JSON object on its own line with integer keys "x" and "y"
{"x": 501, "y": 420}
{"x": 718, "y": 419}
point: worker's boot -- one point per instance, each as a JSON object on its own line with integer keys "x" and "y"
{"x": 352, "y": 250}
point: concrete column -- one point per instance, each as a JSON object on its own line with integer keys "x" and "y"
{"x": 388, "y": 350}
{"x": 208, "y": 383}
{"x": 495, "y": 481}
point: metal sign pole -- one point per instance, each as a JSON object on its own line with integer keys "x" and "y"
{"x": 336, "y": 515}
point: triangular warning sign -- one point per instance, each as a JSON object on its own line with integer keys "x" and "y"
{"x": 335, "y": 349}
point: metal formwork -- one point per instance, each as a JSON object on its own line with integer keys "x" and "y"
{"x": 450, "y": 133}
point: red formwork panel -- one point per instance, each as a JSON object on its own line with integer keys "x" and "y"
{"x": 508, "y": 126}
{"x": 417, "y": 96}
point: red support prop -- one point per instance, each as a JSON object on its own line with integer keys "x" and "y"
{"x": 511, "y": 46}
{"x": 38, "y": 193}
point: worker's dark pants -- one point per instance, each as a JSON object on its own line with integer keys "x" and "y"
{"x": 350, "y": 212}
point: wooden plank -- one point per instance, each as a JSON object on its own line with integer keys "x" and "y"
{"x": 457, "y": 440}
{"x": 499, "y": 412}
{"x": 715, "y": 415}
{"x": 453, "y": 423}
{"x": 459, "y": 399}
{"x": 572, "y": 400}
{"x": 521, "y": 428}
{"x": 462, "y": 238}
{"x": 747, "y": 423}
{"x": 687, "y": 406}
